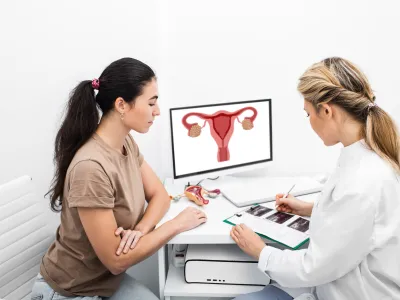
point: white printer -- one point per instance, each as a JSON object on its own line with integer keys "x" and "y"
{"x": 222, "y": 264}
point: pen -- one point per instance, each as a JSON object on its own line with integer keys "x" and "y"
{"x": 287, "y": 194}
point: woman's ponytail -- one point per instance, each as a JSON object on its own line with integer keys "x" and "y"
{"x": 80, "y": 122}
{"x": 336, "y": 80}
{"x": 382, "y": 137}
{"x": 123, "y": 78}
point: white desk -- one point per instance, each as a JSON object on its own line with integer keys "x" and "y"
{"x": 214, "y": 231}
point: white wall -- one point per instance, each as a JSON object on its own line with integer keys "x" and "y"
{"x": 202, "y": 51}
{"x": 224, "y": 51}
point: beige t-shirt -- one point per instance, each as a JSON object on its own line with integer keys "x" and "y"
{"x": 99, "y": 177}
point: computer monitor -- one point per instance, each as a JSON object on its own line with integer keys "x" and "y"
{"x": 220, "y": 139}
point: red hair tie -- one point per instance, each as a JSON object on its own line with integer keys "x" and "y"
{"x": 95, "y": 84}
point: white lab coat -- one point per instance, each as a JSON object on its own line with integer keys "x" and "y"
{"x": 354, "y": 245}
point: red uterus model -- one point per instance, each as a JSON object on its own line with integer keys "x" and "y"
{"x": 221, "y": 127}
{"x": 196, "y": 194}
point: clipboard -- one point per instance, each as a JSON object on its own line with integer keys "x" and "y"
{"x": 288, "y": 230}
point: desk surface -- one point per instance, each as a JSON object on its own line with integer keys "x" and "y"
{"x": 214, "y": 231}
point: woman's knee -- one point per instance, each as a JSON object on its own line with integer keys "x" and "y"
{"x": 132, "y": 289}
{"x": 41, "y": 290}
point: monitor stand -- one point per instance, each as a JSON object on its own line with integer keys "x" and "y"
{"x": 220, "y": 182}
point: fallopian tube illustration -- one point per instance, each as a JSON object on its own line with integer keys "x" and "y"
{"x": 221, "y": 127}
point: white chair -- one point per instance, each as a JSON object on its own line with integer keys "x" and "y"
{"x": 25, "y": 235}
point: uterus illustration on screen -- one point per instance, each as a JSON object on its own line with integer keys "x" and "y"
{"x": 221, "y": 127}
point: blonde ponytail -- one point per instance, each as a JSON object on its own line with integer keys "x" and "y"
{"x": 337, "y": 81}
{"x": 381, "y": 135}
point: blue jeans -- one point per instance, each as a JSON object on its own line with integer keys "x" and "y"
{"x": 130, "y": 289}
{"x": 270, "y": 292}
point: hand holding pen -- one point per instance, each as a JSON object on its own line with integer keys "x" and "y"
{"x": 279, "y": 206}
{"x": 289, "y": 204}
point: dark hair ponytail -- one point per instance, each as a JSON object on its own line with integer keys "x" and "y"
{"x": 123, "y": 78}
{"x": 80, "y": 122}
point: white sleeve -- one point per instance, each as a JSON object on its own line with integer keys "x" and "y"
{"x": 342, "y": 241}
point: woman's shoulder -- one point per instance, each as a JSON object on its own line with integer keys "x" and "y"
{"x": 89, "y": 159}
{"x": 87, "y": 170}
{"x": 367, "y": 179}
{"x": 375, "y": 169}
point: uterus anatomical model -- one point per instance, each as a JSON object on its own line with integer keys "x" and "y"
{"x": 221, "y": 127}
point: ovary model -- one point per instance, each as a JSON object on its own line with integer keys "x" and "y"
{"x": 221, "y": 127}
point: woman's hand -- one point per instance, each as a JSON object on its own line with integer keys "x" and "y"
{"x": 129, "y": 239}
{"x": 189, "y": 218}
{"x": 293, "y": 205}
{"x": 247, "y": 240}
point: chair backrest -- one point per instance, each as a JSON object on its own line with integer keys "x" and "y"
{"x": 25, "y": 235}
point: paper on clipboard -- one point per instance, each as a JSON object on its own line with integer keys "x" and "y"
{"x": 286, "y": 229}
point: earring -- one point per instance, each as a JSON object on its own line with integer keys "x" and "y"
{"x": 122, "y": 116}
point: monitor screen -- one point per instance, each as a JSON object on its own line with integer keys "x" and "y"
{"x": 210, "y": 138}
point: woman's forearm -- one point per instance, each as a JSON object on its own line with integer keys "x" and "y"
{"x": 147, "y": 246}
{"x": 157, "y": 208}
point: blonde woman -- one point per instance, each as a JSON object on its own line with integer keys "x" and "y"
{"x": 355, "y": 223}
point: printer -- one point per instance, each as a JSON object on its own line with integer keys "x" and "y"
{"x": 221, "y": 264}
